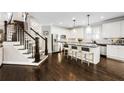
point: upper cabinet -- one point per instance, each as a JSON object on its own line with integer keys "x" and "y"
{"x": 96, "y": 32}
{"x": 111, "y": 30}
{"x": 122, "y": 29}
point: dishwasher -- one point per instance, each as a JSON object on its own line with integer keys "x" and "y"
{"x": 103, "y": 49}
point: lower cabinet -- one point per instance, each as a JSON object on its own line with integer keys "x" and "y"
{"x": 115, "y": 52}
{"x": 103, "y": 50}
{"x": 1, "y": 56}
{"x": 121, "y": 52}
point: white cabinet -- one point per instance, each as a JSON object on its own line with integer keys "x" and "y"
{"x": 115, "y": 52}
{"x": 96, "y": 32}
{"x": 122, "y": 28}
{"x": 1, "y": 55}
{"x": 111, "y": 30}
{"x": 120, "y": 52}
{"x": 112, "y": 51}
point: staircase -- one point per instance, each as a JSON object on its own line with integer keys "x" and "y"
{"x": 27, "y": 47}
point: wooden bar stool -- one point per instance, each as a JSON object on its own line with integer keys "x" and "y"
{"x": 88, "y": 56}
{"x": 81, "y": 55}
{"x": 74, "y": 51}
{"x": 66, "y": 50}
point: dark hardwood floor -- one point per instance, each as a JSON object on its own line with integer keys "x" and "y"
{"x": 58, "y": 67}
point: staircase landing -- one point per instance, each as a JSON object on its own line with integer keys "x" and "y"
{"x": 15, "y": 54}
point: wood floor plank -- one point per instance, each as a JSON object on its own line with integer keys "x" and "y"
{"x": 60, "y": 68}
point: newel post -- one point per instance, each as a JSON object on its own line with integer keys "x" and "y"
{"x": 5, "y": 30}
{"x": 37, "y": 53}
{"x": 46, "y": 47}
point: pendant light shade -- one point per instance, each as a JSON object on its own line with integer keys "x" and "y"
{"x": 88, "y": 28}
{"x": 9, "y": 14}
{"x": 74, "y": 20}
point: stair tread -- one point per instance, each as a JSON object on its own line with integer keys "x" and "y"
{"x": 27, "y": 53}
{"x": 17, "y": 45}
{"x": 22, "y": 49}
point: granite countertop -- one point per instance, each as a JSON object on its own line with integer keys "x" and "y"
{"x": 117, "y": 44}
{"x": 100, "y": 44}
{"x": 86, "y": 45}
{"x": 110, "y": 44}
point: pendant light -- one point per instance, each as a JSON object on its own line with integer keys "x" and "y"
{"x": 74, "y": 20}
{"x": 88, "y": 28}
{"x": 9, "y": 17}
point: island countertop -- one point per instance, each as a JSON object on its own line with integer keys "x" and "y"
{"x": 85, "y": 45}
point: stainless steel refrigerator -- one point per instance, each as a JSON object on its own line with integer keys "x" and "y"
{"x": 56, "y": 45}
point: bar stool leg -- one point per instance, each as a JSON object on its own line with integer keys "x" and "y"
{"x": 82, "y": 58}
{"x": 71, "y": 55}
{"x": 76, "y": 56}
{"x": 88, "y": 63}
{"x": 85, "y": 57}
{"x": 67, "y": 53}
{"x": 64, "y": 52}
{"x": 92, "y": 57}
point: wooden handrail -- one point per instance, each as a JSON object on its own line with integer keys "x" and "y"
{"x": 46, "y": 41}
{"x": 37, "y": 33}
{"x": 27, "y": 33}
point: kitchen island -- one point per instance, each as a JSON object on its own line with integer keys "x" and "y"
{"x": 93, "y": 48}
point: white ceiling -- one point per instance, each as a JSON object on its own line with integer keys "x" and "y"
{"x": 65, "y": 18}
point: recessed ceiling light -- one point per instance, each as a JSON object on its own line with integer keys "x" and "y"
{"x": 60, "y": 23}
{"x": 102, "y": 17}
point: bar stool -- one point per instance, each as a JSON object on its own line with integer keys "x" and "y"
{"x": 88, "y": 56}
{"x": 74, "y": 52}
{"x": 66, "y": 50}
{"x": 81, "y": 55}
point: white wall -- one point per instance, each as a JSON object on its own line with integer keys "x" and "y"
{"x": 36, "y": 25}
{"x": 76, "y": 33}
{"x": 54, "y": 30}
{"x": 70, "y": 33}
{"x": 59, "y": 30}
{"x": 48, "y": 28}
{"x": 18, "y": 16}
{"x": 3, "y": 17}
